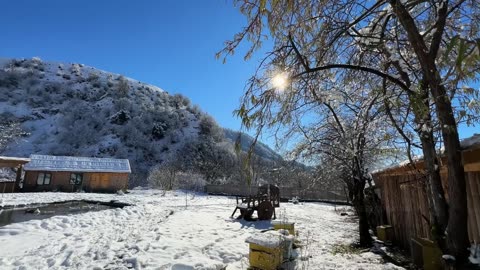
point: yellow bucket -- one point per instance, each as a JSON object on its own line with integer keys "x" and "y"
{"x": 289, "y": 226}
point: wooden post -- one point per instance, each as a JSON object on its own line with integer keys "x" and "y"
{"x": 19, "y": 177}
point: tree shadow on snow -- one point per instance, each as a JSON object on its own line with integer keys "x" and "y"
{"x": 257, "y": 224}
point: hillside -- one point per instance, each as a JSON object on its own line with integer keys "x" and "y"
{"x": 72, "y": 109}
{"x": 246, "y": 141}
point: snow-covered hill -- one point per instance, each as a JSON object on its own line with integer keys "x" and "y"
{"x": 72, "y": 109}
{"x": 246, "y": 141}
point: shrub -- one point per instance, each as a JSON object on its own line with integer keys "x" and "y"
{"x": 9, "y": 79}
{"x": 93, "y": 77}
{"x": 123, "y": 87}
{"x": 120, "y": 118}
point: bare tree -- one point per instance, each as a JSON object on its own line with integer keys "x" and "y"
{"x": 349, "y": 136}
{"x": 165, "y": 175}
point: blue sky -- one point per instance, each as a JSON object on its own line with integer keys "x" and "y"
{"x": 167, "y": 43}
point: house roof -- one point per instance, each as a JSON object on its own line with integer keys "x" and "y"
{"x": 77, "y": 164}
{"x": 469, "y": 145}
{"x": 12, "y": 161}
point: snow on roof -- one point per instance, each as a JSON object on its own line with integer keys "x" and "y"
{"x": 467, "y": 143}
{"x": 3, "y": 158}
{"x": 470, "y": 142}
{"x": 77, "y": 164}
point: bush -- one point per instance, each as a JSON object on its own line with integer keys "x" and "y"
{"x": 159, "y": 130}
{"x": 120, "y": 118}
{"x": 163, "y": 177}
{"x": 123, "y": 87}
{"x": 9, "y": 79}
{"x": 93, "y": 77}
{"x": 191, "y": 181}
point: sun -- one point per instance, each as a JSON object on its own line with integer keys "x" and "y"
{"x": 280, "y": 81}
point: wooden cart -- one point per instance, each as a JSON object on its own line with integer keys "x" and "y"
{"x": 265, "y": 202}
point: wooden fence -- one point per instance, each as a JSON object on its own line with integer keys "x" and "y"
{"x": 404, "y": 198}
{"x": 285, "y": 193}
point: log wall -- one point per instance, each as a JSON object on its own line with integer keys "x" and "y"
{"x": 404, "y": 198}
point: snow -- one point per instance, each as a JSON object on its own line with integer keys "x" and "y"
{"x": 467, "y": 143}
{"x": 77, "y": 164}
{"x": 448, "y": 257}
{"x": 281, "y": 222}
{"x": 3, "y": 158}
{"x": 470, "y": 141}
{"x": 242, "y": 205}
{"x": 268, "y": 239}
{"x": 174, "y": 231}
{"x": 475, "y": 254}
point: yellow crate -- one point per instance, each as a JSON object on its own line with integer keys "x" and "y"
{"x": 430, "y": 257}
{"x": 289, "y": 226}
{"x": 265, "y": 258}
{"x": 385, "y": 233}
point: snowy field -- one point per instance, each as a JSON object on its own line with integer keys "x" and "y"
{"x": 175, "y": 231}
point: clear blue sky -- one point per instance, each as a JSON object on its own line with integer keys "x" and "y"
{"x": 168, "y": 43}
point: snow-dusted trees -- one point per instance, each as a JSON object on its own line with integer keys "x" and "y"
{"x": 165, "y": 175}
{"x": 423, "y": 51}
{"x": 10, "y": 131}
{"x": 344, "y": 127}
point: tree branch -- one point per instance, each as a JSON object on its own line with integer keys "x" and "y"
{"x": 358, "y": 68}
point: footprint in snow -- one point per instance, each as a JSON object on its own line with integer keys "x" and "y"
{"x": 51, "y": 262}
{"x": 179, "y": 255}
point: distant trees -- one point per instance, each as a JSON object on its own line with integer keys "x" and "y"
{"x": 165, "y": 175}
{"x": 9, "y": 132}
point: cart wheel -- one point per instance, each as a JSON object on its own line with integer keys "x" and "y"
{"x": 265, "y": 210}
{"x": 246, "y": 214}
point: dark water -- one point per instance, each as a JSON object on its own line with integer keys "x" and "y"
{"x": 14, "y": 215}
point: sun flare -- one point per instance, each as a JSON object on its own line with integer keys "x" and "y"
{"x": 280, "y": 81}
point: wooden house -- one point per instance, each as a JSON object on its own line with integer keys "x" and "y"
{"x": 15, "y": 164}
{"x": 70, "y": 174}
{"x": 404, "y": 197}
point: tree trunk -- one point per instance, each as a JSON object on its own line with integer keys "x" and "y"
{"x": 359, "y": 205}
{"x": 437, "y": 201}
{"x": 457, "y": 234}
{"x": 457, "y": 231}
{"x": 438, "y": 206}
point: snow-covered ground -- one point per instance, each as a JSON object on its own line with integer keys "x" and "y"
{"x": 175, "y": 231}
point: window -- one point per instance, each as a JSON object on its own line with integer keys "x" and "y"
{"x": 44, "y": 178}
{"x": 76, "y": 178}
